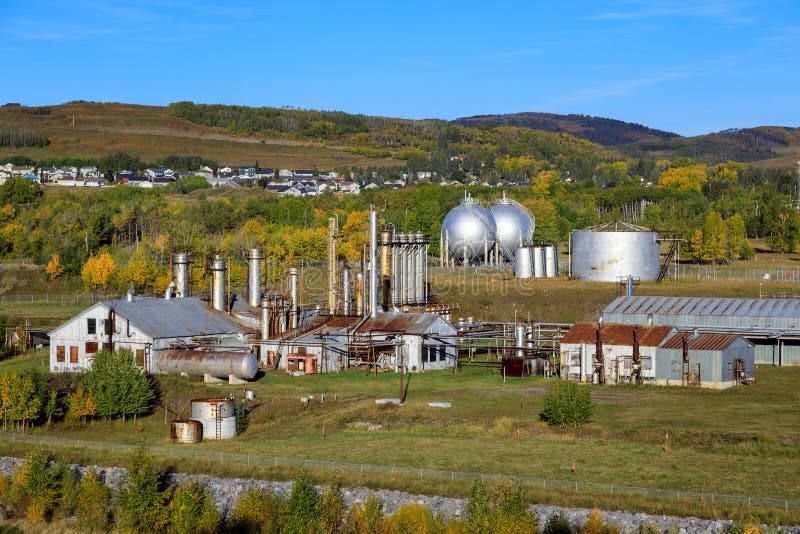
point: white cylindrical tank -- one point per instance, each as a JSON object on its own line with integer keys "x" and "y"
{"x": 539, "y": 270}
{"x": 217, "y": 416}
{"x": 523, "y": 266}
{"x": 254, "y": 258}
{"x": 469, "y": 230}
{"x": 551, "y": 261}
{"x": 605, "y": 255}
{"x": 514, "y": 226}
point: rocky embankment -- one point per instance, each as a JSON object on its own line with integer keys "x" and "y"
{"x": 225, "y": 492}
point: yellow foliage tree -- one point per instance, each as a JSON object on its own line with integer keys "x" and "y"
{"x": 354, "y": 233}
{"x": 691, "y": 178}
{"x": 54, "y": 269}
{"x": 7, "y": 213}
{"x": 81, "y": 405}
{"x": 97, "y": 270}
{"x": 543, "y": 180}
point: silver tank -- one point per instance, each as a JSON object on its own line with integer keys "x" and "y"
{"x": 538, "y": 262}
{"x": 551, "y": 261}
{"x": 514, "y": 226}
{"x": 242, "y": 365}
{"x": 218, "y": 293}
{"x": 254, "y": 257}
{"x": 468, "y": 229}
{"x": 604, "y": 256}
{"x": 180, "y": 273}
{"x": 523, "y": 268}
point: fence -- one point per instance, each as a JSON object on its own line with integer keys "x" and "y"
{"x": 577, "y": 486}
{"x": 710, "y": 272}
{"x": 76, "y": 299}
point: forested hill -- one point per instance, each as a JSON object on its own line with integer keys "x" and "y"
{"x": 606, "y": 132}
{"x": 778, "y": 144}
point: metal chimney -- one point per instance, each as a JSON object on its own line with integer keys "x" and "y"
{"x": 359, "y": 294}
{"x": 180, "y": 273}
{"x": 373, "y": 262}
{"x": 295, "y": 306}
{"x": 219, "y": 300}
{"x": 266, "y": 304}
{"x": 168, "y": 291}
{"x": 254, "y": 257}
{"x": 386, "y": 269}
{"x": 346, "y": 295}
{"x": 333, "y": 233}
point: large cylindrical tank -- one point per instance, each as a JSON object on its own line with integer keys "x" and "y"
{"x": 254, "y": 257}
{"x": 538, "y": 262}
{"x": 420, "y": 280}
{"x": 469, "y": 229}
{"x": 217, "y": 417}
{"x": 551, "y": 261}
{"x": 180, "y": 273}
{"x": 186, "y": 431}
{"x": 219, "y": 299}
{"x": 514, "y": 226}
{"x": 604, "y": 256}
{"x": 242, "y": 365}
{"x": 523, "y": 267}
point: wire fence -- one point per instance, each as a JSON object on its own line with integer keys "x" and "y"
{"x": 710, "y": 272}
{"x": 325, "y": 466}
{"x": 63, "y": 300}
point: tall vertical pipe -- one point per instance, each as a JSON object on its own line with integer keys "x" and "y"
{"x": 180, "y": 273}
{"x": 254, "y": 257}
{"x": 218, "y": 295}
{"x": 373, "y": 262}
{"x": 346, "y": 283}
{"x": 266, "y": 331}
{"x": 295, "y": 305}
{"x": 332, "y": 264}
{"x": 419, "y": 281}
{"x": 396, "y": 270}
{"x": 386, "y": 270}
{"x": 520, "y": 340}
{"x": 360, "y": 294}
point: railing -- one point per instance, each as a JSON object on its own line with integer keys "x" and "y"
{"x": 577, "y": 486}
{"x": 711, "y": 272}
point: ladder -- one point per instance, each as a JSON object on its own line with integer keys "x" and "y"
{"x": 218, "y": 420}
{"x": 671, "y": 254}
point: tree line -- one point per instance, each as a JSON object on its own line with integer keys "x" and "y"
{"x": 22, "y": 138}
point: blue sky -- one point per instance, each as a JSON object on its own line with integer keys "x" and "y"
{"x": 689, "y": 66}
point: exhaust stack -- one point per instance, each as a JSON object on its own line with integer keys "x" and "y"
{"x": 254, "y": 257}
{"x": 346, "y": 292}
{"x": 373, "y": 262}
{"x": 219, "y": 298}
{"x": 180, "y": 273}
{"x": 295, "y": 308}
{"x": 333, "y": 233}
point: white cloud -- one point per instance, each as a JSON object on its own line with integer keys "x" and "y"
{"x": 718, "y": 10}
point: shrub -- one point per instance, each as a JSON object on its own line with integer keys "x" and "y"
{"x": 69, "y": 487}
{"x": 557, "y": 524}
{"x": 501, "y": 508}
{"x": 193, "y": 511}
{"x": 366, "y": 517}
{"x": 332, "y": 510}
{"x": 304, "y": 506}
{"x": 35, "y": 490}
{"x": 596, "y": 525}
{"x": 91, "y": 506}
{"x": 141, "y": 503}
{"x": 256, "y": 511}
{"x": 746, "y": 525}
{"x": 567, "y": 404}
{"x": 414, "y": 517}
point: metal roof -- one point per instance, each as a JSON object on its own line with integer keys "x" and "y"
{"x": 166, "y": 318}
{"x": 616, "y": 334}
{"x": 701, "y": 341}
{"x": 409, "y": 323}
{"x": 705, "y": 306}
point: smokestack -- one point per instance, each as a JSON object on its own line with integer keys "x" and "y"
{"x": 386, "y": 269}
{"x": 346, "y": 283}
{"x": 219, "y": 298}
{"x": 333, "y": 231}
{"x": 293, "y": 273}
{"x": 265, "y": 317}
{"x": 373, "y": 261}
{"x": 254, "y": 257}
{"x": 168, "y": 291}
{"x": 359, "y": 294}
{"x": 180, "y": 273}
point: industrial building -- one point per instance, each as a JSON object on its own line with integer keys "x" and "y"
{"x": 715, "y": 361}
{"x": 149, "y": 327}
{"x": 772, "y": 325}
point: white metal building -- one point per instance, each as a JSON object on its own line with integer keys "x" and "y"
{"x": 146, "y": 326}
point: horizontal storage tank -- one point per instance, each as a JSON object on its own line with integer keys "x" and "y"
{"x": 186, "y": 431}
{"x": 219, "y": 364}
{"x": 604, "y": 256}
{"x": 217, "y": 416}
{"x": 523, "y": 266}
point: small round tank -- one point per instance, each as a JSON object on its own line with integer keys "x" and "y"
{"x": 514, "y": 226}
{"x": 606, "y": 255}
{"x": 469, "y": 230}
{"x": 216, "y": 415}
{"x": 186, "y": 431}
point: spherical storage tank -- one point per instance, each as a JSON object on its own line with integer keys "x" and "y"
{"x": 514, "y": 226}
{"x": 604, "y": 255}
{"x": 469, "y": 230}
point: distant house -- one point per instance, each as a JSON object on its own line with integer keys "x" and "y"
{"x": 329, "y": 175}
{"x": 371, "y": 185}
{"x": 89, "y": 171}
{"x": 424, "y": 175}
{"x": 349, "y": 187}
{"x": 285, "y": 173}
{"x": 153, "y": 174}
{"x": 302, "y": 173}
{"x": 205, "y": 171}
{"x": 265, "y": 172}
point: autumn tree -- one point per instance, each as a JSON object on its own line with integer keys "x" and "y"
{"x": 97, "y": 270}
{"x": 54, "y": 269}
{"x": 80, "y": 405}
{"x": 20, "y": 402}
{"x": 691, "y": 178}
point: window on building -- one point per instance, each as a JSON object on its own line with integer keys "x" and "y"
{"x": 91, "y": 326}
{"x": 60, "y": 353}
{"x": 140, "y": 357}
{"x": 73, "y": 355}
{"x": 91, "y": 347}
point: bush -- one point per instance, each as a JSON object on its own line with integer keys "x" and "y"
{"x": 91, "y": 507}
{"x": 365, "y": 518}
{"x": 193, "y": 511}
{"x": 557, "y": 524}
{"x": 332, "y": 510}
{"x": 304, "y": 506}
{"x": 35, "y": 490}
{"x": 567, "y": 404}
{"x": 141, "y": 503}
{"x": 500, "y": 508}
{"x": 257, "y": 511}
{"x": 414, "y": 517}
{"x": 596, "y": 525}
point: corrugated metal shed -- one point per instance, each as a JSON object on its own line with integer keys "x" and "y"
{"x": 616, "y": 334}
{"x": 705, "y": 312}
{"x": 409, "y": 323}
{"x": 167, "y": 318}
{"x": 700, "y": 342}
